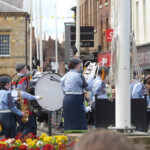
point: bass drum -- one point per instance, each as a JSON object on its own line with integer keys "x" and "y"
{"x": 48, "y": 86}
{"x": 32, "y": 86}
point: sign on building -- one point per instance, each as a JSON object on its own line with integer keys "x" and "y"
{"x": 86, "y": 36}
{"x": 68, "y": 46}
{"x": 109, "y": 35}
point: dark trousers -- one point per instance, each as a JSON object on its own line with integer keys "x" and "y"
{"x": 74, "y": 114}
{"x": 29, "y": 127}
{"x": 93, "y": 111}
{"x": 26, "y": 128}
{"x": 7, "y": 121}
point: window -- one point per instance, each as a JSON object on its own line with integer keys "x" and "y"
{"x": 106, "y": 2}
{"x": 4, "y": 45}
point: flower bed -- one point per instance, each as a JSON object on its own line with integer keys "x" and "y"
{"x": 31, "y": 142}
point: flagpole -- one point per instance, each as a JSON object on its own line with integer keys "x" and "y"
{"x": 56, "y": 44}
{"x": 78, "y": 29}
{"x": 123, "y": 101}
{"x": 37, "y": 35}
{"x": 31, "y": 17}
{"x": 40, "y": 24}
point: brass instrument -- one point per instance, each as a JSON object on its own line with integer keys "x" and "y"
{"x": 89, "y": 68}
{"x": 23, "y": 107}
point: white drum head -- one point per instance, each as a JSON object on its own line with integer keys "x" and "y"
{"x": 48, "y": 86}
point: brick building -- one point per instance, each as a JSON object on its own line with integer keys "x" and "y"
{"x": 49, "y": 56}
{"x": 89, "y": 16}
{"x": 104, "y": 15}
{"x": 96, "y": 13}
{"x": 14, "y": 40}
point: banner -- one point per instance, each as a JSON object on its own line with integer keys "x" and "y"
{"x": 109, "y": 35}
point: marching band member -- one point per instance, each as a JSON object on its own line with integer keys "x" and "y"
{"x": 72, "y": 85}
{"x": 7, "y": 109}
{"x": 137, "y": 88}
{"x": 21, "y": 82}
{"x": 99, "y": 86}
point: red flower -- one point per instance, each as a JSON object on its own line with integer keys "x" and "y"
{"x": 62, "y": 147}
{"x": 23, "y": 147}
{"x": 2, "y": 146}
{"x": 12, "y": 148}
{"x": 3, "y": 140}
{"x": 49, "y": 147}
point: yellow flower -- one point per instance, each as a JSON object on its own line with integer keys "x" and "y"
{"x": 43, "y": 135}
{"x": 35, "y": 140}
{"x": 60, "y": 143}
{"x": 4, "y": 143}
{"x": 48, "y": 140}
{"x": 29, "y": 140}
{"x": 58, "y": 140}
{"x": 64, "y": 138}
{"x": 31, "y": 144}
{"x": 56, "y": 136}
{"x": 18, "y": 141}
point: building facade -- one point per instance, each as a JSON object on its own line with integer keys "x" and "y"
{"x": 89, "y": 16}
{"x": 49, "y": 56}
{"x": 14, "y": 41}
{"x": 141, "y": 30}
{"x": 141, "y": 21}
{"x": 96, "y": 13}
{"x": 104, "y": 15}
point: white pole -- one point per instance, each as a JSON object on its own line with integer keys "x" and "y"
{"x": 123, "y": 104}
{"x": 56, "y": 45}
{"x": 31, "y": 17}
{"x": 78, "y": 28}
{"x": 41, "y": 46}
{"x": 37, "y": 34}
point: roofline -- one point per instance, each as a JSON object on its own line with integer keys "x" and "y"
{"x": 14, "y": 14}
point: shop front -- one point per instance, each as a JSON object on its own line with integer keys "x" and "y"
{"x": 104, "y": 59}
{"x": 144, "y": 57}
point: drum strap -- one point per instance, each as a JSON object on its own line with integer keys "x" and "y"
{"x": 19, "y": 80}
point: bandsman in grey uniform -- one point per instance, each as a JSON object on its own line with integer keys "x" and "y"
{"x": 21, "y": 82}
{"x": 99, "y": 86}
{"x": 7, "y": 109}
{"x": 72, "y": 85}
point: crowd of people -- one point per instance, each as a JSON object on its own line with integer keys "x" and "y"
{"x": 76, "y": 103}
{"x": 75, "y": 89}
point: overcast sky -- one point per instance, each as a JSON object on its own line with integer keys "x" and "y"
{"x": 48, "y": 10}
